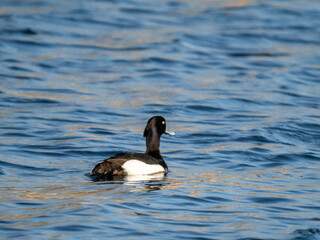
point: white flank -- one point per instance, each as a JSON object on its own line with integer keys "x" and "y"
{"x": 136, "y": 167}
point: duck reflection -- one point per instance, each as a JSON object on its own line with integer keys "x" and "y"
{"x": 149, "y": 182}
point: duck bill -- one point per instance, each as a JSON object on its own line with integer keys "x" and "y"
{"x": 169, "y": 133}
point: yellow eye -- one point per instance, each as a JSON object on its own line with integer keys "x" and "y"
{"x": 163, "y": 122}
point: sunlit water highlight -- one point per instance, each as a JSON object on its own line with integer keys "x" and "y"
{"x": 238, "y": 81}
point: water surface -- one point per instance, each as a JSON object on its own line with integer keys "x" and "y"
{"x": 238, "y": 81}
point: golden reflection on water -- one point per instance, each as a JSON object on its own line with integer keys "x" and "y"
{"x": 41, "y": 58}
{"x": 237, "y": 3}
{"x": 197, "y": 184}
{"x": 47, "y": 193}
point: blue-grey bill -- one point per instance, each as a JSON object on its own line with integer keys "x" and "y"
{"x": 170, "y": 133}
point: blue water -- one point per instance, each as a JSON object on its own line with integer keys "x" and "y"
{"x": 238, "y": 81}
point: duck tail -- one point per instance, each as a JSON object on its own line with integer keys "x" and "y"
{"x": 107, "y": 169}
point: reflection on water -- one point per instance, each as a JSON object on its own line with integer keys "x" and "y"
{"x": 132, "y": 179}
{"x": 236, "y": 80}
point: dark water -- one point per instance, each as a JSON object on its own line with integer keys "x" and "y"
{"x": 238, "y": 81}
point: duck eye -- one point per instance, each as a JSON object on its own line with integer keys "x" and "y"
{"x": 163, "y": 122}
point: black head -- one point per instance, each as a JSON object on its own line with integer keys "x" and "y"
{"x": 156, "y": 125}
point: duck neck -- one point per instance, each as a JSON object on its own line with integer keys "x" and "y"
{"x": 153, "y": 144}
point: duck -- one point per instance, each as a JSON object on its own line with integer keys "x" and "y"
{"x": 129, "y": 163}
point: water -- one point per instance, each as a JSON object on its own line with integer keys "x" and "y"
{"x": 238, "y": 81}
